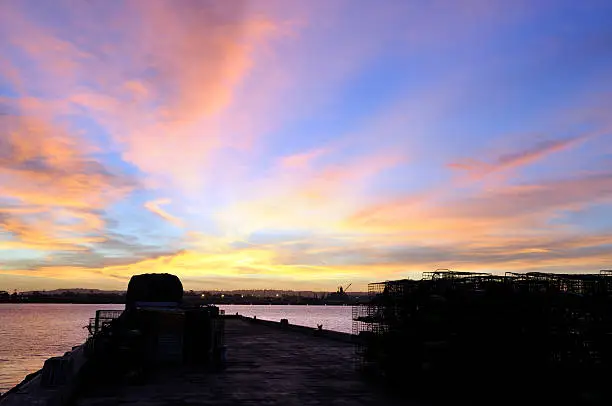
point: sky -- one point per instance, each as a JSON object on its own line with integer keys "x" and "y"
{"x": 302, "y": 144}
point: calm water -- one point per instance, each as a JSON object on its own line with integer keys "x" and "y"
{"x": 31, "y": 333}
{"x": 336, "y": 318}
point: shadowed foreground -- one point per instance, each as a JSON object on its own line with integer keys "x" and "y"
{"x": 265, "y": 366}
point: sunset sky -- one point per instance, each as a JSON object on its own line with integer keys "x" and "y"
{"x": 302, "y": 144}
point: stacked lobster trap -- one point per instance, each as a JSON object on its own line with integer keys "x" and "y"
{"x": 103, "y": 320}
{"x": 464, "y": 327}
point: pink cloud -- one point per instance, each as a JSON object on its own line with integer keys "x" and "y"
{"x": 484, "y": 214}
{"x": 520, "y": 158}
{"x": 154, "y": 207}
{"x": 163, "y": 98}
{"x": 302, "y": 160}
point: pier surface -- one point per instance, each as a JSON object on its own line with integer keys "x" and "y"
{"x": 265, "y": 366}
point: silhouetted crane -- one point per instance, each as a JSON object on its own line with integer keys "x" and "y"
{"x": 342, "y": 291}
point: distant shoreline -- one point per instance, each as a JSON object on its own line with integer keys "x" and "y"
{"x": 258, "y": 303}
{"x": 202, "y": 298}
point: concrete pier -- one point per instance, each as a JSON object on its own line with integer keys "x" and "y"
{"x": 266, "y": 365}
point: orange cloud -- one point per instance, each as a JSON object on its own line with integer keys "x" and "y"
{"x": 57, "y": 186}
{"x": 323, "y": 265}
{"x": 253, "y": 266}
{"x": 499, "y": 228}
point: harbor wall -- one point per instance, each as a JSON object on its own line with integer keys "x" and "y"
{"x": 58, "y": 381}
{"x": 53, "y": 385}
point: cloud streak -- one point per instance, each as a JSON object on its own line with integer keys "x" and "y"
{"x": 154, "y": 207}
{"x": 523, "y": 157}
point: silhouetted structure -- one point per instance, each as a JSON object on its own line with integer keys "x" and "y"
{"x": 169, "y": 349}
{"x": 154, "y": 329}
{"x": 551, "y": 331}
{"x": 159, "y": 289}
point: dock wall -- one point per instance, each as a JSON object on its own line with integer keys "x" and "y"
{"x": 54, "y": 385}
{"x": 58, "y": 381}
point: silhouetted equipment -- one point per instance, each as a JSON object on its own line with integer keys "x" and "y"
{"x": 202, "y": 334}
{"x": 154, "y": 288}
{"x": 154, "y": 329}
{"x": 341, "y": 290}
{"x": 339, "y": 296}
{"x": 553, "y": 330}
{"x": 103, "y": 319}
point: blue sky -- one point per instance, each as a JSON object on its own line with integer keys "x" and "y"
{"x": 302, "y": 145}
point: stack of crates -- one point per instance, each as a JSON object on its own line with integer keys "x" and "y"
{"x": 103, "y": 320}
{"x": 458, "y": 327}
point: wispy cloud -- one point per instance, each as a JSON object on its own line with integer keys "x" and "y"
{"x": 302, "y": 160}
{"x": 521, "y": 157}
{"x": 154, "y": 207}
